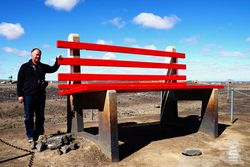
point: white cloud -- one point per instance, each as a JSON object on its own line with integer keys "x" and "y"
{"x": 15, "y": 51}
{"x": 66, "y": 5}
{"x": 153, "y": 47}
{"x": 129, "y": 40}
{"x": 211, "y": 50}
{"x": 190, "y": 40}
{"x": 248, "y": 39}
{"x": 100, "y": 41}
{"x": 46, "y": 46}
{"x": 118, "y": 22}
{"x": 153, "y": 21}
{"x": 109, "y": 55}
{"x": 231, "y": 54}
{"x": 170, "y": 48}
{"x": 11, "y": 31}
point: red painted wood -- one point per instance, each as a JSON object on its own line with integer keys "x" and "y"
{"x": 77, "y": 88}
{"x": 118, "y": 49}
{"x": 89, "y": 77}
{"x": 73, "y": 88}
{"x": 118, "y": 63}
{"x": 122, "y": 86}
{"x": 119, "y": 85}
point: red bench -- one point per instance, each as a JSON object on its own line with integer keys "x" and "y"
{"x": 98, "y": 91}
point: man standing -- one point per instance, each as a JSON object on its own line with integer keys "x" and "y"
{"x": 31, "y": 87}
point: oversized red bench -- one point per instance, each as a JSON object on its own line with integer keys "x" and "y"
{"x": 98, "y": 91}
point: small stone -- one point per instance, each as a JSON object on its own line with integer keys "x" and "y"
{"x": 54, "y": 142}
{"x": 67, "y": 139}
{"x": 53, "y": 146}
{"x": 73, "y": 146}
{"x": 42, "y": 138}
{"x": 192, "y": 152}
{"x": 65, "y": 149}
{"x": 59, "y": 152}
{"x": 40, "y": 146}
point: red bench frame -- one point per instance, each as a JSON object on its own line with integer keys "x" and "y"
{"x": 101, "y": 94}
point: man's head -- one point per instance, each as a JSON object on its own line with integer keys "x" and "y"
{"x": 36, "y": 55}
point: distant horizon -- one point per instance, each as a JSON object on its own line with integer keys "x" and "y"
{"x": 185, "y": 81}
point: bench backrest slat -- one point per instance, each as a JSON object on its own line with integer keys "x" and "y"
{"x": 110, "y": 77}
{"x": 84, "y": 82}
{"x": 118, "y": 63}
{"x": 117, "y": 49}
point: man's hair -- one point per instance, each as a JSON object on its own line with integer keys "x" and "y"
{"x": 36, "y": 49}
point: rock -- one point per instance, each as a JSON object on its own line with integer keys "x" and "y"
{"x": 42, "y": 138}
{"x": 40, "y": 146}
{"x": 192, "y": 152}
{"x": 53, "y": 146}
{"x": 67, "y": 139}
{"x": 65, "y": 149}
{"x": 73, "y": 146}
{"x": 54, "y": 142}
{"x": 59, "y": 152}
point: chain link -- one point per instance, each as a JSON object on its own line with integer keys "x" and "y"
{"x": 32, "y": 153}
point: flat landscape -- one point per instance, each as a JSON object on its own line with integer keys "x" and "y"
{"x": 142, "y": 141}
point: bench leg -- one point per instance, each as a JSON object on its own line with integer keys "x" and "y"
{"x": 70, "y": 115}
{"x": 209, "y": 122}
{"x": 169, "y": 108}
{"x": 108, "y": 128}
{"x": 77, "y": 121}
{"x": 74, "y": 117}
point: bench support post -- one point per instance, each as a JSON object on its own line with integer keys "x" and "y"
{"x": 74, "y": 116}
{"x": 108, "y": 128}
{"x": 106, "y": 103}
{"x": 169, "y": 109}
{"x": 209, "y": 123}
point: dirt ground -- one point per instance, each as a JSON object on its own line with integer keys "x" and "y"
{"x": 142, "y": 141}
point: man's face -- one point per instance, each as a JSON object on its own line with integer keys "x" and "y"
{"x": 36, "y": 56}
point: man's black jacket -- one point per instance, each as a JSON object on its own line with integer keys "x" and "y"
{"x": 31, "y": 78}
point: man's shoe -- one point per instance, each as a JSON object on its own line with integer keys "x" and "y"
{"x": 30, "y": 140}
{"x": 33, "y": 145}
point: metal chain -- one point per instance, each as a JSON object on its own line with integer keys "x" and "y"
{"x": 25, "y": 150}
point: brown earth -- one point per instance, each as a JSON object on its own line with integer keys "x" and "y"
{"x": 142, "y": 141}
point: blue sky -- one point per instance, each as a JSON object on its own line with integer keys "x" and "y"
{"x": 214, "y": 34}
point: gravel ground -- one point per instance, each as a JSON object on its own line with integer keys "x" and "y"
{"x": 142, "y": 142}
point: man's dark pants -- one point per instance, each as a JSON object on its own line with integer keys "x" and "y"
{"x": 34, "y": 105}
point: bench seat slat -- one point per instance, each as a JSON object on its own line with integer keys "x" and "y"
{"x": 118, "y": 63}
{"x": 123, "y": 87}
{"x": 118, "y": 85}
{"x": 117, "y": 49}
{"x": 91, "y": 77}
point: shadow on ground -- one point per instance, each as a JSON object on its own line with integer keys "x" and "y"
{"x": 135, "y": 136}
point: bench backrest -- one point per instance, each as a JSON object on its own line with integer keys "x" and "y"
{"x": 83, "y": 82}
